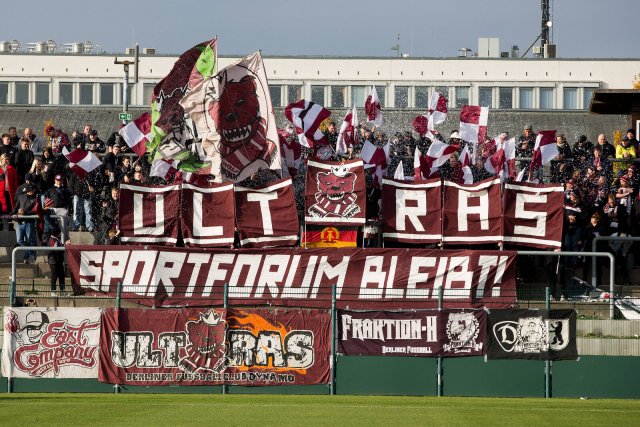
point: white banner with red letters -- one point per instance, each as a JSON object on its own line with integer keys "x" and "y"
{"x": 472, "y": 213}
{"x": 267, "y": 216}
{"x": 206, "y": 217}
{"x": 411, "y": 211}
{"x": 149, "y": 214}
{"x": 51, "y": 343}
{"x": 533, "y": 214}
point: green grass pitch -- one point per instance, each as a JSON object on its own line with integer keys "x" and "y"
{"x": 50, "y": 409}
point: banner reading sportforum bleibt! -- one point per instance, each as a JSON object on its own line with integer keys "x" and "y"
{"x": 50, "y": 343}
{"x": 532, "y": 334}
{"x": 215, "y": 346}
{"x": 448, "y": 333}
{"x": 364, "y": 278}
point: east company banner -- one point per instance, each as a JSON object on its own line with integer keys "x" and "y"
{"x": 215, "y": 346}
{"x": 448, "y": 333}
{"x": 50, "y": 343}
{"x": 532, "y": 334}
{"x": 364, "y": 278}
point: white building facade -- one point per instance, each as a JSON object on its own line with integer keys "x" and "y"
{"x": 335, "y": 82}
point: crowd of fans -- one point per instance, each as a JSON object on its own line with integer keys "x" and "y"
{"x": 601, "y": 196}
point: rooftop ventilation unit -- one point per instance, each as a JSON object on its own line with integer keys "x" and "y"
{"x": 5, "y": 46}
{"x": 14, "y": 45}
{"x": 130, "y": 51}
{"x": 147, "y": 51}
{"x": 51, "y": 46}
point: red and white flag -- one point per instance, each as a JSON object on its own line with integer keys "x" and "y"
{"x": 545, "y": 149}
{"x": 438, "y": 154}
{"x": 437, "y": 112}
{"x": 81, "y": 162}
{"x": 374, "y": 157}
{"x": 137, "y": 133}
{"x": 502, "y": 161}
{"x": 465, "y": 161}
{"x": 399, "y": 173}
{"x": 290, "y": 151}
{"x": 372, "y": 108}
{"x": 347, "y": 131}
{"x": 165, "y": 169}
{"x": 306, "y": 117}
{"x": 473, "y": 125}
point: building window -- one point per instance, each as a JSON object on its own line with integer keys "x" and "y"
{"x": 22, "y": 93}
{"x": 294, "y": 93}
{"x": 462, "y": 96}
{"x": 275, "y": 91}
{"x": 42, "y": 93}
{"x": 147, "y": 93}
{"x": 586, "y": 97}
{"x": 443, "y": 90}
{"x": 381, "y": 96}
{"x": 485, "y": 96}
{"x": 86, "y": 93}
{"x": 4, "y": 93}
{"x": 401, "y": 96}
{"x": 526, "y": 97}
{"x": 106, "y": 93}
{"x": 317, "y": 95}
{"x": 506, "y": 98}
{"x": 421, "y": 97}
{"x": 66, "y": 93}
{"x": 338, "y": 96}
{"x": 358, "y": 96}
{"x": 546, "y": 98}
{"x": 570, "y": 98}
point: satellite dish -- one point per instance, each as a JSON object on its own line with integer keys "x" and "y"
{"x": 88, "y": 46}
{"x": 51, "y": 46}
{"x": 15, "y": 45}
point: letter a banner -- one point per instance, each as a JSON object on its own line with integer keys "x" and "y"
{"x": 50, "y": 343}
{"x": 335, "y": 193}
{"x": 532, "y": 334}
{"x": 215, "y": 346}
{"x": 149, "y": 214}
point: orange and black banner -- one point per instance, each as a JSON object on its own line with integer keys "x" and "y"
{"x": 330, "y": 237}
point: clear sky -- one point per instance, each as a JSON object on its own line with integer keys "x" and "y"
{"x": 581, "y": 28}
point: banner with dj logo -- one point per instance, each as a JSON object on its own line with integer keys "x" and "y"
{"x": 447, "y": 333}
{"x": 50, "y": 343}
{"x": 215, "y": 346}
{"x": 532, "y": 334}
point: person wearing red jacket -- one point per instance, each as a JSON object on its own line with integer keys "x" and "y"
{"x": 8, "y": 185}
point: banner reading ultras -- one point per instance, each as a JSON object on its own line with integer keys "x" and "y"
{"x": 448, "y": 333}
{"x": 215, "y": 346}
{"x": 364, "y": 278}
{"x": 50, "y": 343}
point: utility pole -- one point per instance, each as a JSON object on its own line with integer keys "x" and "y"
{"x": 125, "y": 116}
{"x": 546, "y": 18}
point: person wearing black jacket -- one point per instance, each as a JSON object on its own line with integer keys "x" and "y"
{"x": 83, "y": 190}
{"x": 26, "y": 204}
{"x": 55, "y": 259}
{"x": 57, "y": 201}
{"x": 23, "y": 159}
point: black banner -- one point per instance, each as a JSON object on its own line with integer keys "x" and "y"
{"x": 532, "y": 334}
{"x": 448, "y": 333}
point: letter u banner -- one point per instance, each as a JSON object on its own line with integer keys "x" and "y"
{"x": 215, "y": 346}
{"x": 50, "y": 343}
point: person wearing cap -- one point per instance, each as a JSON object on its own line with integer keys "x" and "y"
{"x": 631, "y": 134}
{"x": 582, "y": 150}
{"x": 454, "y": 138}
{"x": 57, "y": 201}
{"x": 27, "y": 204}
{"x": 110, "y": 162}
{"x": 36, "y": 325}
{"x": 94, "y": 143}
{"x": 58, "y": 139}
{"x": 55, "y": 259}
{"x": 627, "y": 151}
{"x": 28, "y": 181}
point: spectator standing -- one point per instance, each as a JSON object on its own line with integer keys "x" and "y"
{"x": 83, "y": 192}
{"x": 23, "y": 159}
{"x": 626, "y": 150}
{"x": 110, "y": 162}
{"x": 525, "y": 145}
{"x": 58, "y": 138}
{"x": 94, "y": 143}
{"x": 10, "y": 181}
{"x": 561, "y": 165}
{"x": 55, "y": 260}
{"x": 607, "y": 149}
{"x": 27, "y": 204}
{"x": 57, "y": 201}
{"x": 582, "y": 152}
{"x": 35, "y": 144}
{"x": 7, "y": 147}
{"x": 13, "y": 135}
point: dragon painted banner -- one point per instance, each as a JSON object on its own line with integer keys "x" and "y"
{"x": 447, "y": 333}
{"x": 364, "y": 278}
{"x": 215, "y": 346}
{"x": 50, "y": 343}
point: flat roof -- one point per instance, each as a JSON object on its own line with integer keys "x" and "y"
{"x": 615, "y": 101}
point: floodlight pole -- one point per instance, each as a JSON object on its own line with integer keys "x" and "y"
{"x": 125, "y": 87}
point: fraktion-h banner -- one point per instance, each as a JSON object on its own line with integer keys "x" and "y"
{"x": 448, "y": 333}
{"x": 50, "y": 343}
{"x": 215, "y": 346}
{"x": 364, "y": 278}
{"x": 532, "y": 334}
